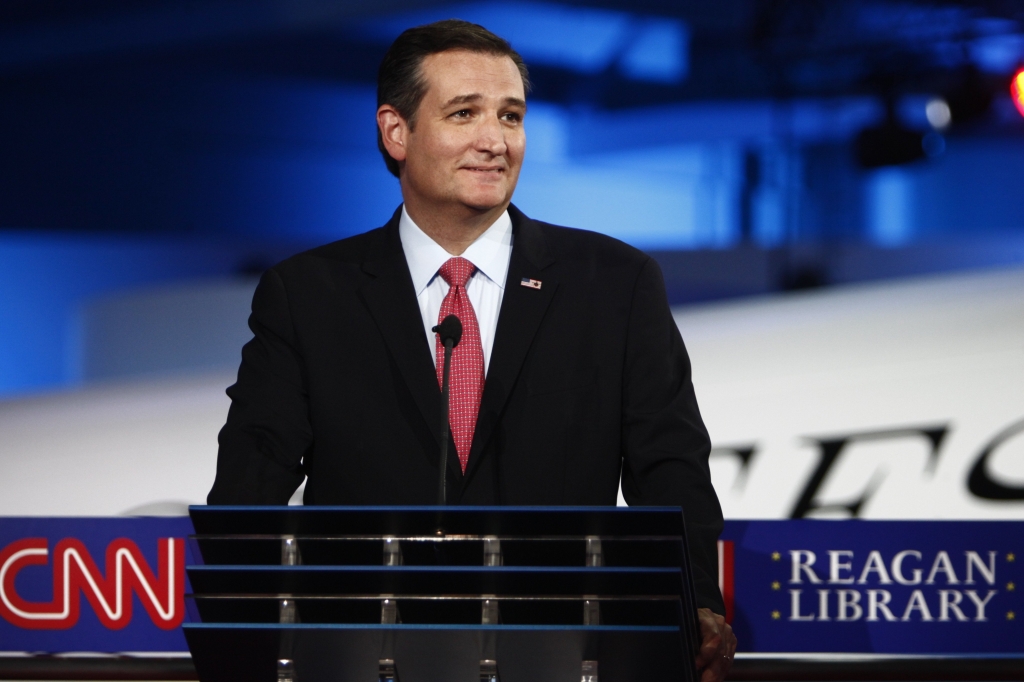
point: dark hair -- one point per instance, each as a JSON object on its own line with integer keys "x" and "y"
{"x": 400, "y": 80}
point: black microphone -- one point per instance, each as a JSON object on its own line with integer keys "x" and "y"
{"x": 449, "y": 329}
{"x": 450, "y": 332}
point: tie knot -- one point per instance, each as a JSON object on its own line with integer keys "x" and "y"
{"x": 457, "y": 271}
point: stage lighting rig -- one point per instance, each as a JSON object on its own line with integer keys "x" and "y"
{"x": 971, "y": 99}
{"x": 894, "y": 144}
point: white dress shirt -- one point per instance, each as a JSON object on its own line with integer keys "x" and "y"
{"x": 490, "y": 254}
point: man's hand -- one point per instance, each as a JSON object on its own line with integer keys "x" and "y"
{"x": 717, "y": 646}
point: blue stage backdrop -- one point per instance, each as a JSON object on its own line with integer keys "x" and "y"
{"x": 888, "y": 587}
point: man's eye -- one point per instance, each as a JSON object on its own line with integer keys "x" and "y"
{"x": 461, "y": 113}
{"x": 513, "y": 117}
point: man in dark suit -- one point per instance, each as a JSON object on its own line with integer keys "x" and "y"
{"x": 571, "y": 374}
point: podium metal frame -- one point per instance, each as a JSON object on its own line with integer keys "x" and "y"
{"x": 425, "y": 594}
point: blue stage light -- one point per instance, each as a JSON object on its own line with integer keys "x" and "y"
{"x": 582, "y": 39}
{"x": 659, "y": 53}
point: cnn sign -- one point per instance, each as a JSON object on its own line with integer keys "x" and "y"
{"x": 108, "y": 592}
{"x": 93, "y": 584}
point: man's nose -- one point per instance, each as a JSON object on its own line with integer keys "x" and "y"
{"x": 491, "y": 136}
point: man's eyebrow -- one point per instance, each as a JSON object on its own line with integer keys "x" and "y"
{"x": 475, "y": 97}
{"x": 463, "y": 99}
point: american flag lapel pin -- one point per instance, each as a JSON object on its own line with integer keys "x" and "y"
{"x": 530, "y": 283}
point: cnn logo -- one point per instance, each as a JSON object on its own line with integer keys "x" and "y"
{"x": 109, "y": 593}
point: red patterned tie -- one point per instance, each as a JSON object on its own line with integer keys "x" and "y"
{"x": 466, "y": 381}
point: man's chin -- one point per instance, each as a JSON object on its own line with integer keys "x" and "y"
{"x": 486, "y": 201}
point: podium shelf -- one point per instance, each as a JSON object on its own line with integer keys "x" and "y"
{"x": 445, "y": 580}
{"x": 653, "y": 522}
{"x": 432, "y": 550}
{"x": 431, "y": 609}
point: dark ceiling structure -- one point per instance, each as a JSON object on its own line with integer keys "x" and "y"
{"x": 737, "y": 49}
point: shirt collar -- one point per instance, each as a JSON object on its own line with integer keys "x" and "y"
{"x": 489, "y": 253}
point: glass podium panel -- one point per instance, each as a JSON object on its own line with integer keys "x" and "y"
{"x": 488, "y": 594}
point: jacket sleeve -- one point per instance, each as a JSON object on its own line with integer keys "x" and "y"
{"x": 665, "y": 443}
{"x": 268, "y": 431}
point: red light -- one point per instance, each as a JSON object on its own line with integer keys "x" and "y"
{"x": 1017, "y": 90}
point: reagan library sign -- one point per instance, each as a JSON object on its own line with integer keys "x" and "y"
{"x": 893, "y": 587}
{"x": 871, "y": 594}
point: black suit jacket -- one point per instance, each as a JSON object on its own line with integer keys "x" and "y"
{"x": 588, "y": 379}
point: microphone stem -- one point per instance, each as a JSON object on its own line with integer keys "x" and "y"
{"x": 442, "y": 477}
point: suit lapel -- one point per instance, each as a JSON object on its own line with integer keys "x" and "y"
{"x": 391, "y": 300}
{"x": 522, "y": 309}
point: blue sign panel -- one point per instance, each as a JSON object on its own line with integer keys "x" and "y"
{"x": 894, "y": 587}
{"x": 92, "y": 584}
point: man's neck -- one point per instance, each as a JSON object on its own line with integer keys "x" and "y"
{"x": 454, "y": 230}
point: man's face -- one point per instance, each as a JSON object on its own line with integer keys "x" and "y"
{"x": 467, "y": 143}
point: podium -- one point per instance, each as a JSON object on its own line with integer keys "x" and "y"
{"x": 441, "y": 594}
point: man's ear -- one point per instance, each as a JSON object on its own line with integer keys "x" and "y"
{"x": 394, "y": 131}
